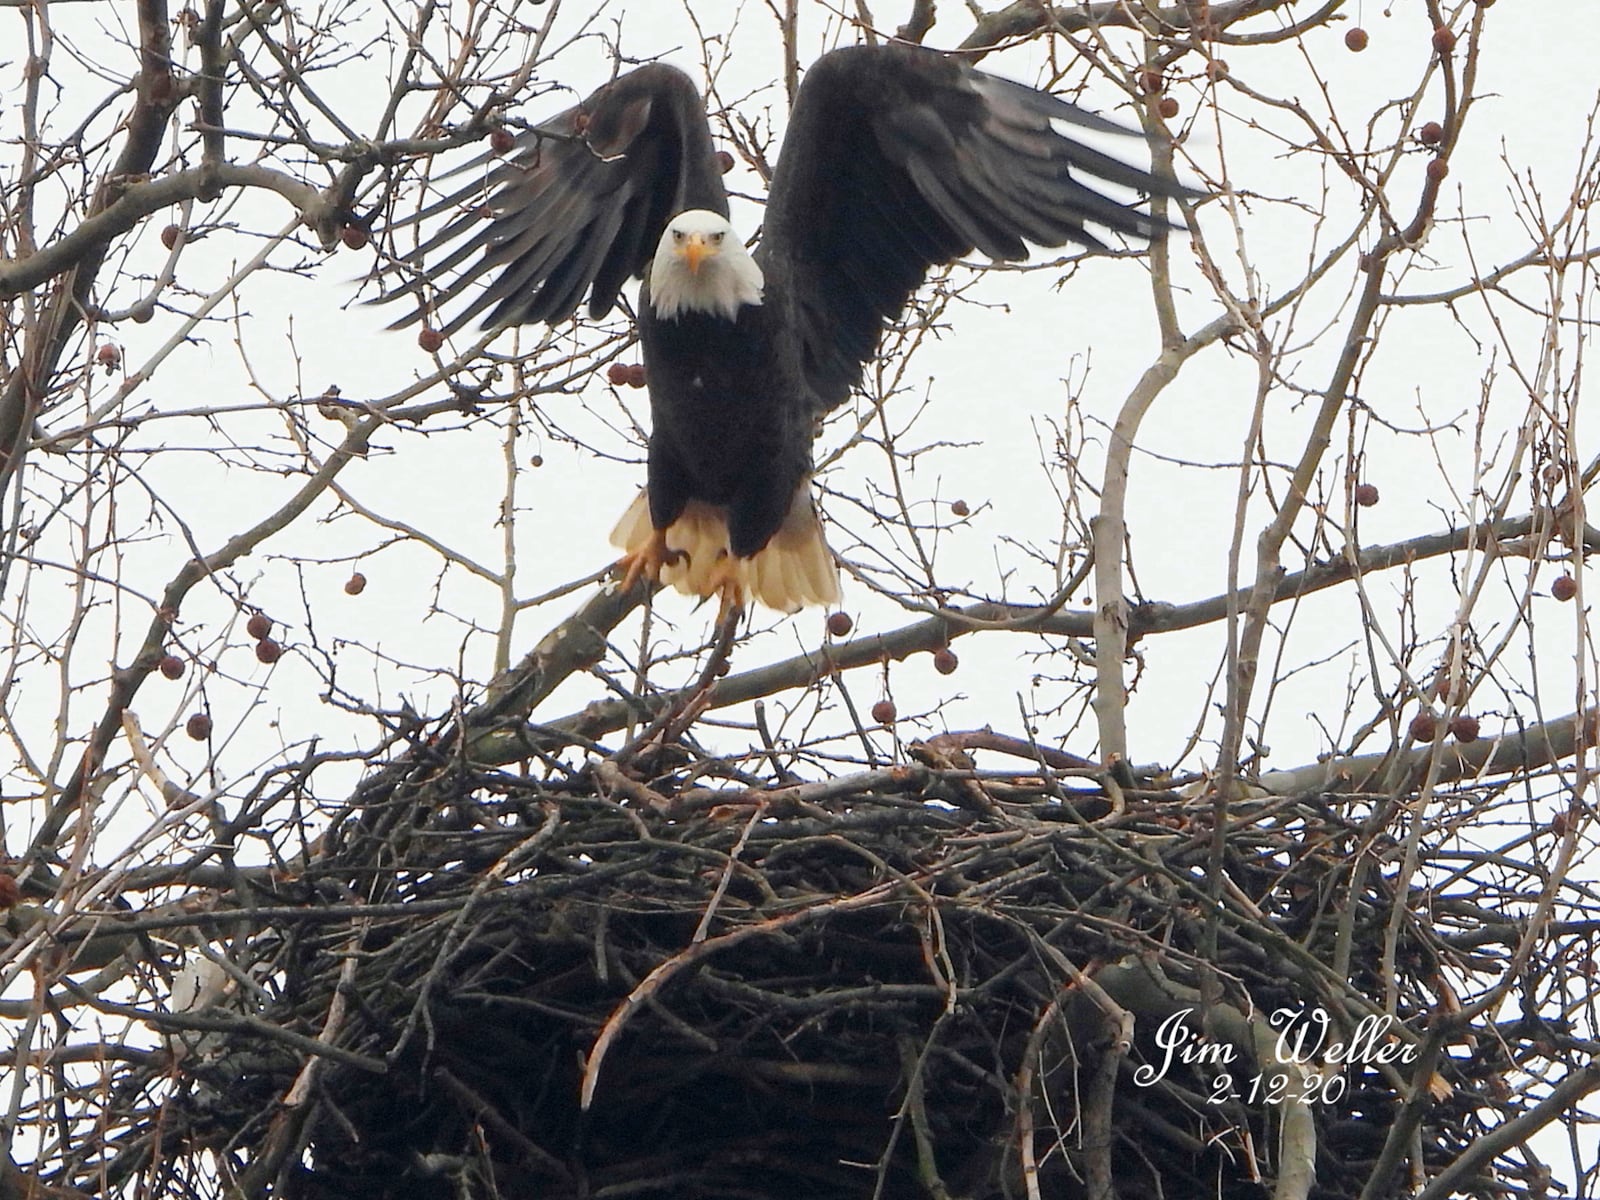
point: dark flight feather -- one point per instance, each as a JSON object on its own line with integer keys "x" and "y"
{"x": 580, "y": 204}
{"x": 896, "y": 160}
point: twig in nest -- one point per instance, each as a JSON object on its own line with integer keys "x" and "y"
{"x": 1023, "y": 1089}
{"x": 1099, "y": 1098}
{"x": 617, "y": 782}
{"x": 911, "y": 1065}
{"x": 652, "y": 983}
{"x": 756, "y": 815}
{"x": 966, "y": 793}
{"x": 485, "y": 1111}
{"x": 988, "y": 739}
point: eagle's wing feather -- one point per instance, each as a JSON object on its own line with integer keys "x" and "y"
{"x": 898, "y": 159}
{"x": 576, "y": 209}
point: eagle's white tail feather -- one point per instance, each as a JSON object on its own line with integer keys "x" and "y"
{"x": 793, "y": 570}
{"x": 796, "y": 567}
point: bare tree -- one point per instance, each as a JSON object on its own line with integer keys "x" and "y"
{"x": 1197, "y": 810}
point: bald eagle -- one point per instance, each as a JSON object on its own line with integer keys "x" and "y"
{"x": 896, "y": 159}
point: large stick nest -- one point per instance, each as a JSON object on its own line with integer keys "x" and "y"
{"x": 918, "y": 980}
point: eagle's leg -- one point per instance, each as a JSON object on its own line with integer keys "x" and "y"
{"x": 666, "y": 493}
{"x": 648, "y": 560}
{"x": 728, "y": 583}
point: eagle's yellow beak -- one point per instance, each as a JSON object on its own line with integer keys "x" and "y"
{"x": 696, "y": 249}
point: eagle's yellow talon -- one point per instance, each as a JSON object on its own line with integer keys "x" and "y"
{"x": 648, "y": 560}
{"x": 727, "y": 582}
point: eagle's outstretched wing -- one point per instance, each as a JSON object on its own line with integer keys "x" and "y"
{"x": 898, "y": 159}
{"x": 577, "y": 208}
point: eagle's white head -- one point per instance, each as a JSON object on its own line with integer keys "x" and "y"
{"x": 702, "y": 266}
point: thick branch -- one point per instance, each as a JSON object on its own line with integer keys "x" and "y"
{"x": 925, "y": 636}
{"x": 139, "y": 200}
{"x": 1025, "y": 17}
{"x": 157, "y": 96}
{"x": 1112, "y": 620}
{"x": 1516, "y": 751}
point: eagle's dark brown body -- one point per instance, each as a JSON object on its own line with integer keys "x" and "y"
{"x": 726, "y": 425}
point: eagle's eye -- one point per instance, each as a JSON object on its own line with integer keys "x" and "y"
{"x": 677, "y": 235}
{"x": 716, "y": 239}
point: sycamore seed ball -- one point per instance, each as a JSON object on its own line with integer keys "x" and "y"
{"x": 1355, "y": 39}
{"x": 172, "y": 666}
{"x": 883, "y": 712}
{"x": 1424, "y": 726}
{"x": 259, "y": 626}
{"x": 839, "y": 624}
{"x": 198, "y": 727}
{"x": 1564, "y": 588}
{"x": 268, "y": 651}
{"x": 356, "y": 584}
